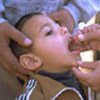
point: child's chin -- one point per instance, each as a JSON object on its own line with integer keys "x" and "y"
{"x": 76, "y": 55}
{"x": 76, "y": 52}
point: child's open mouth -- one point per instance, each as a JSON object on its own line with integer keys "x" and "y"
{"x": 73, "y": 44}
{"x": 74, "y": 47}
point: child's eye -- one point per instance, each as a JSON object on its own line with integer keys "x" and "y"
{"x": 49, "y": 32}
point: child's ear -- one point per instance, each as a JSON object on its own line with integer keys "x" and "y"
{"x": 30, "y": 62}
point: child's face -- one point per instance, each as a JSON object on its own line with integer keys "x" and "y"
{"x": 50, "y": 43}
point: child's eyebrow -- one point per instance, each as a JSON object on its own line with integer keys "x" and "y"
{"x": 46, "y": 24}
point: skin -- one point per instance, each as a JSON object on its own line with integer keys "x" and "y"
{"x": 50, "y": 44}
{"x": 91, "y": 79}
{"x": 64, "y": 18}
{"x": 89, "y": 37}
{"x": 91, "y": 40}
{"x": 8, "y": 32}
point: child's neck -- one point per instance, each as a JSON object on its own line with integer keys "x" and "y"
{"x": 54, "y": 70}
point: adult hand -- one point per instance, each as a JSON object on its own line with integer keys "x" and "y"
{"x": 7, "y": 59}
{"x": 90, "y": 37}
{"x": 92, "y": 78}
{"x": 64, "y": 18}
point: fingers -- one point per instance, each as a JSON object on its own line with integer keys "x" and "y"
{"x": 7, "y": 59}
{"x": 20, "y": 38}
{"x": 90, "y": 32}
{"x": 89, "y": 79}
{"x": 80, "y": 41}
{"x": 91, "y": 28}
{"x": 57, "y": 15}
{"x": 64, "y": 18}
{"x": 89, "y": 65}
{"x": 54, "y": 16}
{"x": 14, "y": 72}
{"x": 84, "y": 37}
{"x": 11, "y": 64}
{"x": 83, "y": 77}
{"x": 8, "y": 32}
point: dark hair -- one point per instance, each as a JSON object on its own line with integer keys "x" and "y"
{"x": 17, "y": 49}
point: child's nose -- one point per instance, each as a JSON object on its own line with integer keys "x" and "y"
{"x": 64, "y": 31}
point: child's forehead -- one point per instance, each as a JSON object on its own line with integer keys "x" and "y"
{"x": 40, "y": 19}
{"x": 35, "y": 23}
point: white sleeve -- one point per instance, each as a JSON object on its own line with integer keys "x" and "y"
{"x": 83, "y": 10}
{"x": 1, "y": 10}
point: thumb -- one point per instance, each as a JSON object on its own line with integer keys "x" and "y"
{"x": 88, "y": 37}
{"x": 81, "y": 37}
{"x": 89, "y": 65}
{"x": 82, "y": 77}
{"x": 20, "y": 38}
{"x": 84, "y": 37}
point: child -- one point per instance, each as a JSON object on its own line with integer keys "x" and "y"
{"x": 49, "y": 58}
{"x": 63, "y": 11}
